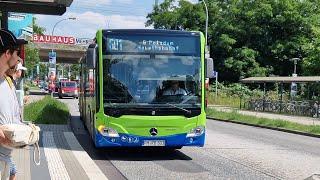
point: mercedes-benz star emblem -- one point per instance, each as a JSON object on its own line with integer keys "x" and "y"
{"x": 153, "y": 131}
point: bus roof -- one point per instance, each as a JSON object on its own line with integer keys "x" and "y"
{"x": 151, "y": 31}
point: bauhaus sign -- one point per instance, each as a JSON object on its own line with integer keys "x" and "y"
{"x": 53, "y": 39}
{"x": 61, "y": 40}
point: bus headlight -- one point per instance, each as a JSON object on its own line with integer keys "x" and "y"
{"x": 197, "y": 131}
{"x": 109, "y": 132}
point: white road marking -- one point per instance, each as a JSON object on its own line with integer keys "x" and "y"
{"x": 57, "y": 170}
{"x": 90, "y": 168}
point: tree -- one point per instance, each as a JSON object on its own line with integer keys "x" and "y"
{"x": 37, "y": 29}
{"x": 250, "y": 37}
{"x": 32, "y": 52}
{"x": 31, "y": 58}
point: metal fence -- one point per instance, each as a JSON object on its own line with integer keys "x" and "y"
{"x": 301, "y": 108}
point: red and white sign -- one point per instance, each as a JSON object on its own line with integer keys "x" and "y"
{"x": 53, "y": 39}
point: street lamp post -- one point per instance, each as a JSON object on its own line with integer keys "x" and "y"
{"x": 207, "y": 53}
{"x": 70, "y": 18}
{"x": 295, "y": 61}
{"x": 293, "y": 91}
{"x": 207, "y": 17}
{"x": 52, "y": 83}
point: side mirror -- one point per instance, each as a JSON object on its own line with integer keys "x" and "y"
{"x": 209, "y": 67}
{"x": 92, "y": 56}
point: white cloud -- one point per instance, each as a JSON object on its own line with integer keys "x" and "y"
{"x": 93, "y": 2}
{"x": 101, "y": 2}
{"x": 127, "y": 1}
{"x": 89, "y": 22}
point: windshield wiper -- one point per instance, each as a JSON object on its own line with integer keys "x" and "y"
{"x": 186, "y": 110}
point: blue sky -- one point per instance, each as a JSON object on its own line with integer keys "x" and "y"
{"x": 94, "y": 14}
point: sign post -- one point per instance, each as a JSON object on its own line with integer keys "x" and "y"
{"x": 293, "y": 87}
{"x": 215, "y": 75}
{"x": 52, "y": 71}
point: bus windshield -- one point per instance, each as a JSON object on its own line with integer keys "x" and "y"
{"x": 154, "y": 80}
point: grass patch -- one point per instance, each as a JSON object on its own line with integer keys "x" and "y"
{"x": 235, "y": 116}
{"x": 231, "y": 101}
{"x": 47, "y": 111}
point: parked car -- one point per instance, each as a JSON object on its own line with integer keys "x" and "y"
{"x": 68, "y": 89}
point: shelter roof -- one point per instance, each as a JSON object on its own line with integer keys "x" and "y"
{"x": 281, "y": 79}
{"x": 50, "y": 7}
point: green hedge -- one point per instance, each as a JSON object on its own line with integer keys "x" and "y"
{"x": 47, "y": 111}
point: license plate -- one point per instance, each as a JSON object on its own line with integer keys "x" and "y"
{"x": 153, "y": 143}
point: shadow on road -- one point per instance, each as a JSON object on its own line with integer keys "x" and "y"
{"x": 123, "y": 154}
{"x": 143, "y": 154}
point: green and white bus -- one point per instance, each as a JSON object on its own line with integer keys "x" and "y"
{"x": 123, "y": 82}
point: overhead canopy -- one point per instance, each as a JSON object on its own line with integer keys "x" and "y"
{"x": 288, "y": 79}
{"x": 69, "y": 54}
{"x": 50, "y": 7}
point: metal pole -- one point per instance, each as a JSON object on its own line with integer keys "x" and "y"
{"x": 295, "y": 61}
{"x": 52, "y": 49}
{"x": 240, "y": 95}
{"x": 207, "y": 18}
{"x": 217, "y": 85}
{"x": 71, "y": 18}
{"x": 62, "y": 65}
{"x": 281, "y": 97}
{"x": 69, "y": 73}
{"x": 264, "y": 96}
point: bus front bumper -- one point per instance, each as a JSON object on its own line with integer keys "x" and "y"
{"x": 127, "y": 140}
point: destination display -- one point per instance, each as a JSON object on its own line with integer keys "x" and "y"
{"x": 152, "y": 44}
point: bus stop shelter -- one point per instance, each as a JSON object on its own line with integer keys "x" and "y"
{"x": 293, "y": 107}
{"x": 48, "y": 7}
{"x": 282, "y": 80}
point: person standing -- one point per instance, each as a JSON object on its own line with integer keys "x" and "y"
{"x": 175, "y": 89}
{"x": 9, "y": 57}
{"x": 15, "y": 75}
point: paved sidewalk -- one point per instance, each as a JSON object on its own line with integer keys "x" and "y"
{"x": 296, "y": 119}
{"x": 62, "y": 157}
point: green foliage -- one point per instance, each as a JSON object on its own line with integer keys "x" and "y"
{"x": 230, "y": 94}
{"x": 47, "y": 111}
{"x": 250, "y": 38}
{"x": 37, "y": 29}
{"x": 32, "y": 57}
{"x": 168, "y": 15}
{"x": 236, "y": 90}
{"x": 43, "y": 70}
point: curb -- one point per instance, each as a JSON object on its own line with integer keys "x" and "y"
{"x": 267, "y": 127}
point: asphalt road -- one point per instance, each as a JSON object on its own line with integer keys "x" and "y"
{"x": 232, "y": 151}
